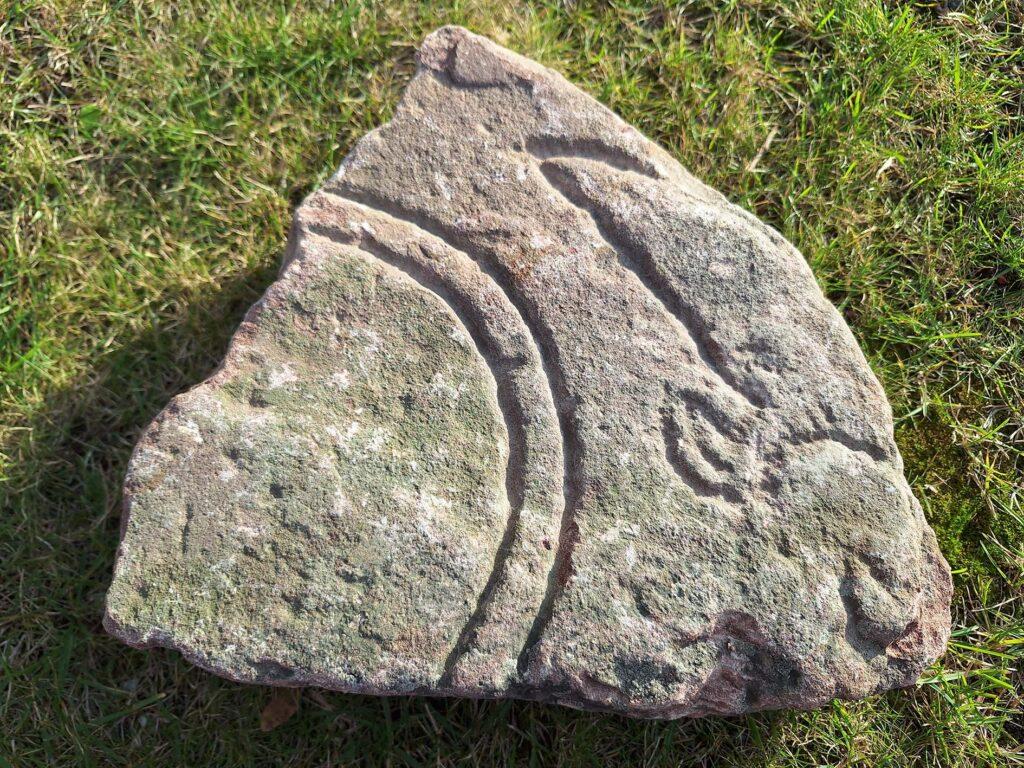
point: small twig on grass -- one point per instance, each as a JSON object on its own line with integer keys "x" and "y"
{"x": 752, "y": 165}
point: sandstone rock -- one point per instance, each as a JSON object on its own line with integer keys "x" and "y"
{"x": 532, "y": 412}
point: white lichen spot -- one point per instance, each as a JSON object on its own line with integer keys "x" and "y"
{"x": 147, "y": 461}
{"x": 440, "y": 387}
{"x": 223, "y": 563}
{"x": 552, "y": 118}
{"x": 430, "y": 512}
{"x": 343, "y": 440}
{"x": 208, "y": 405}
{"x": 191, "y": 430}
{"x": 341, "y": 379}
{"x": 227, "y": 474}
{"x": 361, "y": 226}
{"x": 459, "y": 336}
{"x": 434, "y": 504}
{"x": 539, "y": 241}
{"x": 442, "y": 186}
{"x": 281, "y": 376}
{"x": 626, "y": 210}
{"x": 335, "y": 329}
{"x": 371, "y": 342}
{"x": 256, "y": 422}
{"x": 721, "y": 270}
{"x": 340, "y": 505}
{"x": 629, "y": 557}
{"x": 378, "y": 437}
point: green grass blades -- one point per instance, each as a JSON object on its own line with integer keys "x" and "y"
{"x": 150, "y": 155}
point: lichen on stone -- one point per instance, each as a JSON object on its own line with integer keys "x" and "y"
{"x": 532, "y": 412}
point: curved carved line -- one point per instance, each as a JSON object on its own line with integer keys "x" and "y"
{"x": 514, "y": 425}
{"x": 561, "y": 566}
{"x": 685, "y": 471}
{"x": 682, "y": 317}
{"x": 854, "y": 444}
{"x": 646, "y": 271}
{"x": 514, "y": 418}
{"x": 556, "y": 148}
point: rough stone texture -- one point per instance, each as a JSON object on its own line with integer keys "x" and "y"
{"x": 532, "y": 412}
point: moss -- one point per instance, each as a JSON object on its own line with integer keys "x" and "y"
{"x": 938, "y": 471}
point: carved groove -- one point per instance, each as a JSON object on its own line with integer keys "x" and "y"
{"x": 640, "y": 264}
{"x": 851, "y": 443}
{"x": 864, "y": 647}
{"x": 190, "y": 515}
{"x": 548, "y": 355}
{"x": 556, "y": 148}
{"x": 511, "y": 410}
{"x": 702, "y": 402}
{"x": 544, "y": 147}
{"x": 684, "y": 469}
{"x": 714, "y": 459}
{"x": 446, "y": 76}
{"x": 513, "y": 416}
{"x": 685, "y": 321}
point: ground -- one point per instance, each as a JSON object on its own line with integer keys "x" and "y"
{"x": 151, "y": 154}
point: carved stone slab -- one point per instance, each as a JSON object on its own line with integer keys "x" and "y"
{"x": 532, "y": 412}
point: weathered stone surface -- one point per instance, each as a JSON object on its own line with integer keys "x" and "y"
{"x": 532, "y": 412}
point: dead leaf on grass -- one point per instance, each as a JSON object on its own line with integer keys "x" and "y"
{"x": 284, "y": 702}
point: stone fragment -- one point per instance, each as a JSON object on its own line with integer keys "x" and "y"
{"x": 532, "y": 412}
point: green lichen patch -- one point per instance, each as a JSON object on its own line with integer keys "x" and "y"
{"x": 333, "y": 497}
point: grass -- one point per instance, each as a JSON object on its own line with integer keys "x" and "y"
{"x": 150, "y": 155}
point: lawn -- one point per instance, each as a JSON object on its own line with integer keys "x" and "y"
{"x": 151, "y": 154}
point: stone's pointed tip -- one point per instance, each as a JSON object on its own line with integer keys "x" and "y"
{"x": 473, "y": 61}
{"x": 531, "y": 412}
{"x": 446, "y": 37}
{"x": 439, "y": 46}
